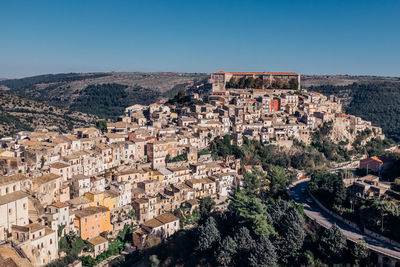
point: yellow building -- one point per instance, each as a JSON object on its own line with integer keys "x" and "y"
{"x": 108, "y": 199}
{"x": 154, "y": 174}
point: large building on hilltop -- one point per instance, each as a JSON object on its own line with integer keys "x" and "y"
{"x": 220, "y": 79}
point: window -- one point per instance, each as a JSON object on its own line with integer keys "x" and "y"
{"x": 92, "y": 227}
{"x": 24, "y": 206}
{"x": 14, "y": 188}
{"x": 51, "y": 241}
{"x": 9, "y": 211}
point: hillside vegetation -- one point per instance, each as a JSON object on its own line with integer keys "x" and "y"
{"x": 101, "y": 94}
{"x": 17, "y": 114}
{"x": 376, "y": 99}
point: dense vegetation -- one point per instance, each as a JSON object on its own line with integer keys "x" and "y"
{"x": 375, "y": 102}
{"x": 24, "y": 83}
{"x": 316, "y": 156}
{"x": 328, "y": 188}
{"x": 72, "y": 245}
{"x": 20, "y": 114}
{"x": 250, "y": 82}
{"x": 110, "y": 100}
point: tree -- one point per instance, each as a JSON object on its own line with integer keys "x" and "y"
{"x": 278, "y": 179}
{"x": 154, "y": 261}
{"x": 126, "y": 233}
{"x": 251, "y": 212}
{"x": 102, "y": 126}
{"x": 288, "y": 223}
{"x": 71, "y": 244}
{"x": 42, "y": 161}
{"x": 385, "y": 208}
{"x": 244, "y": 245}
{"x": 241, "y": 82}
{"x": 332, "y": 243}
{"x": 360, "y": 252}
{"x": 263, "y": 254}
{"x": 293, "y": 84}
{"x": 208, "y": 235}
{"x": 243, "y": 239}
{"x": 207, "y": 204}
{"x": 254, "y": 180}
{"x": 328, "y": 188}
{"x": 226, "y": 251}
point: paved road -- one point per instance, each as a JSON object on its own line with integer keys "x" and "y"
{"x": 313, "y": 211}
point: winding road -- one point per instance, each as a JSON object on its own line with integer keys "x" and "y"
{"x": 298, "y": 192}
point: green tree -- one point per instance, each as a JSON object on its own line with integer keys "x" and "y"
{"x": 293, "y": 84}
{"x": 252, "y": 212}
{"x": 102, "y": 126}
{"x": 288, "y": 222}
{"x": 226, "y": 251}
{"x": 207, "y": 204}
{"x": 360, "y": 252}
{"x": 244, "y": 245}
{"x": 332, "y": 243}
{"x": 385, "y": 208}
{"x": 278, "y": 179}
{"x": 328, "y": 188}
{"x": 208, "y": 235}
{"x": 263, "y": 254}
{"x": 42, "y": 161}
{"x": 254, "y": 180}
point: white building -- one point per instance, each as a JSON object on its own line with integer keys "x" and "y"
{"x": 57, "y": 215}
{"x": 81, "y": 184}
{"x": 14, "y": 211}
{"x": 39, "y": 243}
{"x": 124, "y": 190}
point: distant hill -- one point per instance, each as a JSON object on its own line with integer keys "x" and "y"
{"x": 18, "y": 113}
{"x": 101, "y": 94}
{"x": 376, "y": 99}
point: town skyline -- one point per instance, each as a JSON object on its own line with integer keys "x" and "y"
{"x": 355, "y": 37}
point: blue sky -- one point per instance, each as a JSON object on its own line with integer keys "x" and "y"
{"x": 309, "y": 37}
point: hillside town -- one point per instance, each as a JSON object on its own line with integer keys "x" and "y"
{"x": 154, "y": 160}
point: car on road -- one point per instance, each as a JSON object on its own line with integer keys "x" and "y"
{"x": 309, "y": 200}
{"x": 296, "y": 197}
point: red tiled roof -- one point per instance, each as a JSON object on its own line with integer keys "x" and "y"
{"x": 377, "y": 159}
{"x": 258, "y": 73}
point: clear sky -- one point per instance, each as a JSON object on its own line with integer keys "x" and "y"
{"x": 309, "y": 37}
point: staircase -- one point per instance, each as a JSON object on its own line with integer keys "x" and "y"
{"x": 35, "y": 209}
